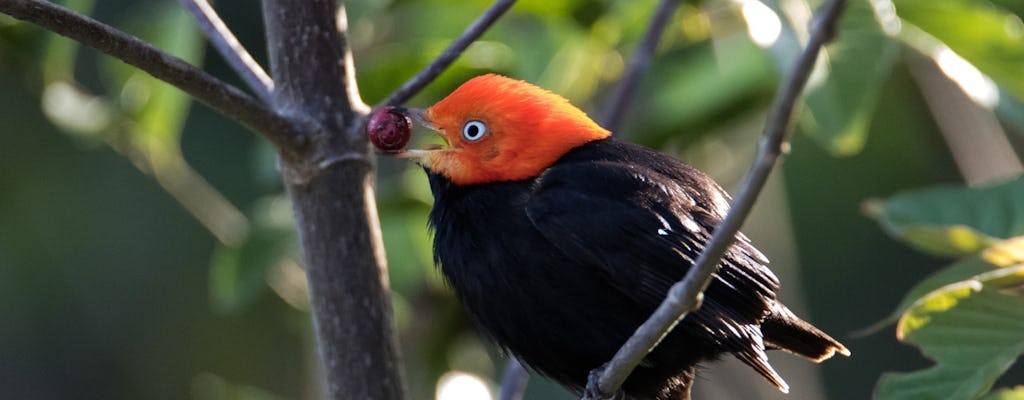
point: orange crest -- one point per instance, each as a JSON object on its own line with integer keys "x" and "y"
{"x": 502, "y": 129}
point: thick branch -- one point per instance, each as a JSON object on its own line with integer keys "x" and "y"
{"x": 685, "y": 296}
{"x": 335, "y": 209}
{"x": 223, "y": 97}
{"x": 229, "y": 48}
{"x": 314, "y": 75}
{"x": 436, "y": 67}
{"x": 638, "y": 65}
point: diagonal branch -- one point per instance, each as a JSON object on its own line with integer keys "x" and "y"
{"x": 229, "y": 48}
{"x": 685, "y": 296}
{"x": 227, "y": 99}
{"x": 436, "y": 67}
{"x": 638, "y": 65}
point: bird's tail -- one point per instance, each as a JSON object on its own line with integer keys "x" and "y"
{"x": 783, "y": 330}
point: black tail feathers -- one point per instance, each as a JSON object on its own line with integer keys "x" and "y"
{"x": 783, "y": 330}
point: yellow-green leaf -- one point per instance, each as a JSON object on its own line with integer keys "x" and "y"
{"x": 953, "y": 220}
{"x": 972, "y": 331}
{"x": 1015, "y": 393}
{"x": 1002, "y": 255}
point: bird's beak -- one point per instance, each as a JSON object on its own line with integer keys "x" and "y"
{"x": 420, "y": 156}
{"x": 420, "y": 116}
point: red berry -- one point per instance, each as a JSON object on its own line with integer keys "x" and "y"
{"x": 389, "y": 129}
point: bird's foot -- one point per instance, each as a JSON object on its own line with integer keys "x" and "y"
{"x": 593, "y": 390}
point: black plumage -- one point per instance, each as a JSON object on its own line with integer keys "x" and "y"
{"x": 559, "y": 270}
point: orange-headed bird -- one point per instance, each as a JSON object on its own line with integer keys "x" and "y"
{"x": 560, "y": 241}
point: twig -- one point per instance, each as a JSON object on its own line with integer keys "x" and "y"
{"x": 685, "y": 296}
{"x": 431, "y": 71}
{"x": 638, "y": 65}
{"x": 221, "y": 96}
{"x": 228, "y": 46}
{"x": 513, "y": 381}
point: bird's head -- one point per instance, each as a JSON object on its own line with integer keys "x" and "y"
{"x": 500, "y": 129}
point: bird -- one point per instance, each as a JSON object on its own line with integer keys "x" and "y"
{"x": 560, "y": 240}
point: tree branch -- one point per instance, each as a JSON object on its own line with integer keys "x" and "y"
{"x": 685, "y": 296}
{"x": 335, "y": 208}
{"x": 638, "y": 65}
{"x": 227, "y": 99}
{"x": 312, "y": 66}
{"x": 229, "y": 48}
{"x": 431, "y": 71}
{"x": 513, "y": 380}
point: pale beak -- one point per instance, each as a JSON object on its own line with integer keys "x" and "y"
{"x": 420, "y": 156}
{"x": 419, "y": 115}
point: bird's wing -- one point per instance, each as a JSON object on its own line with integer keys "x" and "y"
{"x": 642, "y": 230}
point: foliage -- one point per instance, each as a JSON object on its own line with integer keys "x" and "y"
{"x": 954, "y": 221}
{"x": 703, "y": 99}
{"x": 966, "y": 316}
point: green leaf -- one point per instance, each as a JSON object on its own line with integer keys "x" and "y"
{"x": 702, "y": 87}
{"x": 156, "y": 111}
{"x": 162, "y": 117}
{"x": 1016, "y": 393}
{"x": 1004, "y": 254}
{"x": 987, "y": 36}
{"x": 972, "y": 331}
{"x": 848, "y": 79}
{"x": 953, "y": 220}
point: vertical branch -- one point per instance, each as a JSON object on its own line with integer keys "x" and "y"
{"x": 335, "y": 209}
{"x": 685, "y": 296}
{"x": 311, "y": 62}
{"x": 638, "y": 65}
{"x": 229, "y": 48}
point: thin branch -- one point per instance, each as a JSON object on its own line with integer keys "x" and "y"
{"x": 638, "y": 65}
{"x": 228, "y": 46}
{"x": 227, "y": 99}
{"x": 513, "y": 381}
{"x": 436, "y": 67}
{"x": 685, "y": 296}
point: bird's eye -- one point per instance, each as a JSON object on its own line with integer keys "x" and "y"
{"x": 474, "y": 130}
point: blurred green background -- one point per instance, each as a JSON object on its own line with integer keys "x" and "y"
{"x": 146, "y": 247}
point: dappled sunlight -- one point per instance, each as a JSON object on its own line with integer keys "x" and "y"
{"x": 978, "y": 87}
{"x": 763, "y": 26}
{"x": 74, "y": 110}
{"x": 885, "y": 13}
{"x": 938, "y": 301}
{"x": 456, "y": 385}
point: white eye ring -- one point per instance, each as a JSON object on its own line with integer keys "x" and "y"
{"x": 474, "y": 130}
